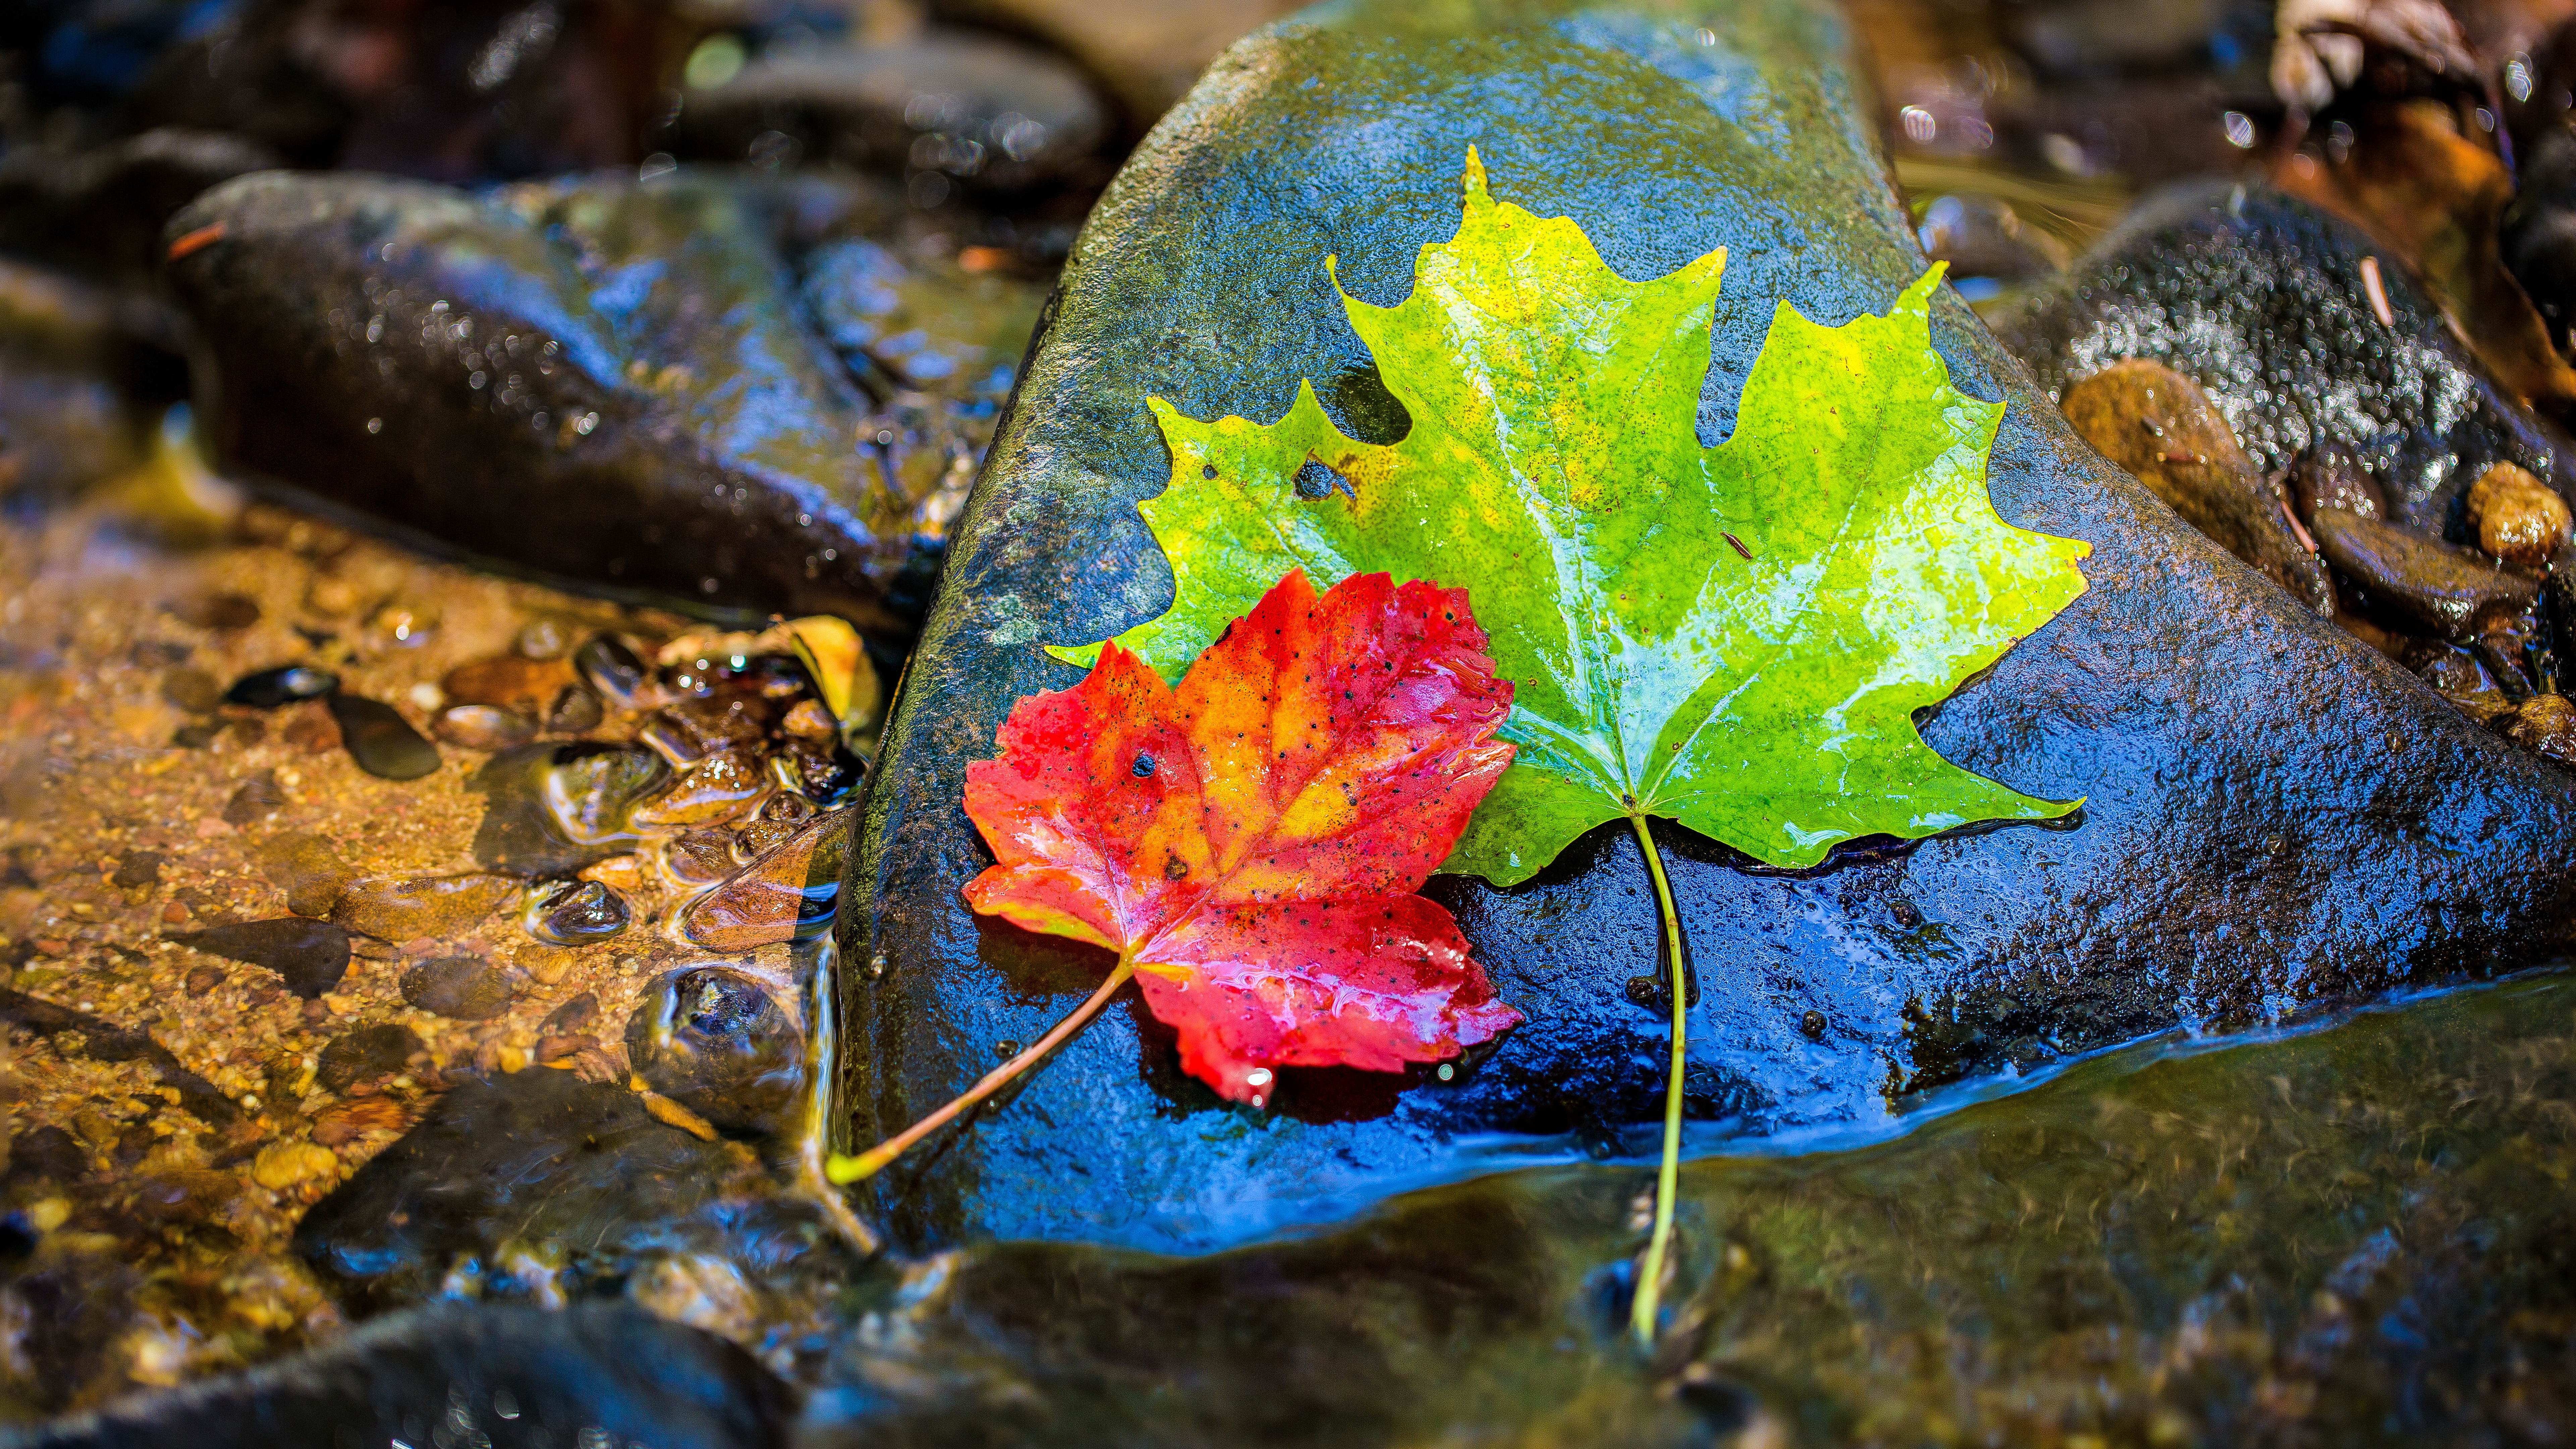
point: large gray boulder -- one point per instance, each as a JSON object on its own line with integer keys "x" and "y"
{"x": 2276, "y": 815}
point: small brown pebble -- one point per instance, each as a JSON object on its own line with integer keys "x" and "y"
{"x": 2518, "y": 518}
{"x": 365, "y": 1054}
{"x": 574, "y": 710}
{"x": 575, "y": 1017}
{"x": 203, "y": 979}
{"x": 543, "y": 639}
{"x": 222, "y": 612}
{"x": 175, "y": 913}
{"x": 462, "y": 988}
{"x": 192, "y": 691}
{"x": 428, "y": 907}
{"x": 316, "y": 1012}
{"x": 485, "y": 727}
{"x": 721, "y": 787}
{"x": 700, "y": 857}
{"x": 313, "y": 731}
{"x": 553, "y": 1049}
{"x": 508, "y": 680}
{"x": 2545, "y": 724}
{"x": 258, "y": 797}
{"x": 137, "y": 869}
{"x": 809, "y": 720}
{"x": 332, "y": 596}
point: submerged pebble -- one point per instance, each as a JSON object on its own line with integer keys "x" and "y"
{"x": 2331, "y": 475}
{"x": 409, "y": 908}
{"x": 192, "y": 691}
{"x": 486, "y": 727}
{"x": 2428, "y": 584}
{"x": 466, "y": 988}
{"x": 792, "y": 888}
{"x": 575, "y": 710}
{"x": 363, "y": 1055}
{"x": 382, "y": 742}
{"x": 2545, "y": 723}
{"x": 256, "y": 799}
{"x": 718, "y": 788}
{"x": 553, "y": 809}
{"x": 582, "y": 913}
{"x": 714, "y": 1040}
{"x": 309, "y": 956}
{"x": 607, "y": 665}
{"x": 511, "y": 680}
{"x": 283, "y": 685}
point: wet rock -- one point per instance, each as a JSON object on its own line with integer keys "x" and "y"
{"x": 575, "y": 710}
{"x": 192, "y": 690}
{"x": 1980, "y": 236}
{"x": 309, "y": 956}
{"x": 485, "y": 727}
{"x": 138, "y": 870}
{"x": 516, "y": 1377}
{"x": 224, "y": 613}
{"x": 255, "y": 800}
{"x": 692, "y": 729}
{"x": 698, "y": 857}
{"x": 583, "y": 913}
{"x": 977, "y": 111}
{"x": 792, "y": 888}
{"x": 825, "y": 773}
{"x": 367, "y": 1054}
{"x": 543, "y": 1158}
{"x": 719, "y": 787}
{"x": 2444, "y": 590}
{"x": 1146, "y": 51}
{"x": 2330, "y": 475}
{"x": 577, "y": 1017}
{"x": 507, "y": 372}
{"x": 2516, "y": 517}
{"x": 714, "y": 1040}
{"x": 281, "y": 686}
{"x": 467, "y": 988}
{"x": 2160, "y": 426}
{"x": 512, "y": 680}
{"x": 610, "y": 667}
{"x": 2262, "y": 789}
{"x": 382, "y": 742}
{"x": 2545, "y": 723}
{"x": 310, "y": 869}
{"x": 100, "y": 211}
{"x": 554, "y": 809}
{"x": 2459, "y": 676}
{"x": 407, "y": 908}
{"x": 2263, "y": 300}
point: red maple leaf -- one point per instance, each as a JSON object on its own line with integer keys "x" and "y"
{"x": 1250, "y": 842}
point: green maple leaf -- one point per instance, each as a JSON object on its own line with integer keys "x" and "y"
{"x": 1736, "y": 637}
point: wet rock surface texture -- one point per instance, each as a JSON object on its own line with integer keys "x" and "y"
{"x": 2274, "y": 814}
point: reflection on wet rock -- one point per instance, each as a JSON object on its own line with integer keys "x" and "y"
{"x": 574, "y": 711}
{"x": 700, "y": 857}
{"x": 505, "y": 372}
{"x": 2160, "y": 426}
{"x": 309, "y": 956}
{"x": 553, "y": 809}
{"x": 399, "y": 908}
{"x": 607, "y": 665}
{"x": 2331, "y": 475}
{"x": 2445, "y": 590}
{"x": 2545, "y": 723}
{"x": 511, "y": 680}
{"x": 1981, "y": 237}
{"x": 382, "y": 742}
{"x": 975, "y": 111}
{"x": 790, "y": 888}
{"x": 582, "y": 913}
{"x": 284, "y": 685}
{"x": 2516, "y": 517}
{"x": 486, "y": 727}
{"x": 713, "y": 1039}
{"x": 718, "y": 787}
{"x": 2263, "y": 301}
{"x": 467, "y": 988}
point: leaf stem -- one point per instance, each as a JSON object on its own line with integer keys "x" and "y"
{"x": 1650, "y": 1277}
{"x": 846, "y": 1170}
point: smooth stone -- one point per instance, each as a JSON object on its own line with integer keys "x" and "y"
{"x": 138, "y": 870}
{"x": 2517, "y": 518}
{"x": 2445, "y": 590}
{"x": 792, "y": 889}
{"x": 224, "y": 613}
{"x": 551, "y": 810}
{"x": 281, "y": 686}
{"x": 382, "y": 742}
{"x": 549, "y": 1161}
{"x": 365, "y": 1054}
{"x": 2331, "y": 475}
{"x": 713, "y": 1039}
{"x": 718, "y": 787}
{"x": 486, "y": 727}
{"x": 309, "y": 956}
{"x": 541, "y": 363}
{"x": 256, "y": 799}
{"x": 1147, "y": 52}
{"x": 517, "y": 1376}
{"x": 610, "y": 667}
{"x": 192, "y": 691}
{"x": 466, "y": 988}
{"x": 583, "y": 913}
{"x": 575, "y": 710}
{"x": 2262, "y": 790}
{"x": 406, "y": 908}
{"x": 512, "y": 680}
{"x": 2260, "y": 298}
{"x": 312, "y": 870}
{"x": 995, "y": 115}
{"x": 2160, "y": 426}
